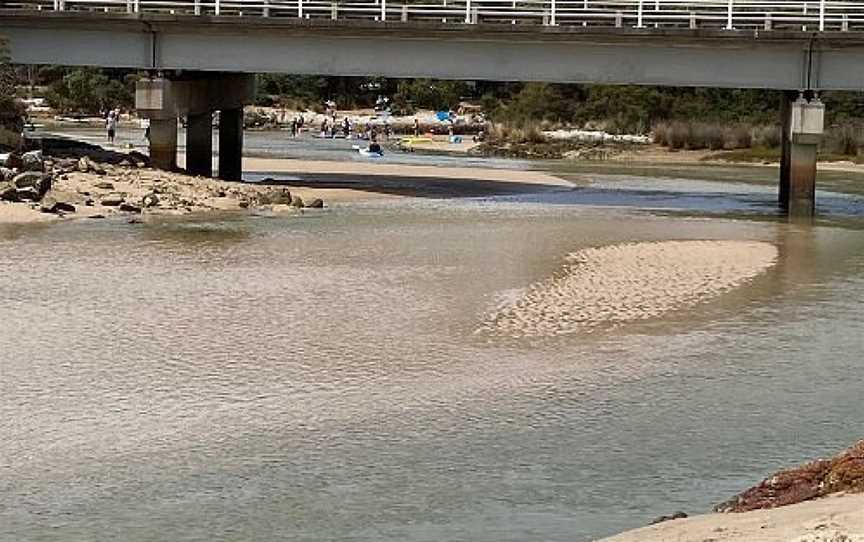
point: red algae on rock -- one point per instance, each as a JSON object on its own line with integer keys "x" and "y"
{"x": 842, "y": 473}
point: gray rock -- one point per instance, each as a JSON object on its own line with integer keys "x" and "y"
{"x": 128, "y": 207}
{"x": 13, "y": 161}
{"x": 676, "y": 515}
{"x": 150, "y": 200}
{"x": 316, "y": 203}
{"x": 32, "y": 161}
{"x": 27, "y": 179}
{"x": 85, "y": 164}
{"x": 50, "y": 204}
{"x": 8, "y": 192}
{"x": 6, "y": 174}
{"x": 112, "y": 200}
{"x": 36, "y": 180}
{"x": 104, "y": 185}
{"x": 27, "y": 194}
{"x": 297, "y": 202}
{"x": 280, "y": 197}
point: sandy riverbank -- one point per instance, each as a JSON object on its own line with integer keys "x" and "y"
{"x": 94, "y": 194}
{"x": 838, "y": 518}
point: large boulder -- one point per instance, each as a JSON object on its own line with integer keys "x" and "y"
{"x": 38, "y": 181}
{"x": 32, "y": 161}
{"x": 6, "y": 174}
{"x": 316, "y": 203}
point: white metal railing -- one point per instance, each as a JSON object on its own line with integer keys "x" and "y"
{"x": 812, "y": 16}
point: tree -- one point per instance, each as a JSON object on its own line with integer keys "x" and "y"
{"x": 429, "y": 94}
{"x": 11, "y": 109}
{"x": 90, "y": 91}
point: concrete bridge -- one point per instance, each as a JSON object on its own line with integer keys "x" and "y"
{"x": 197, "y": 51}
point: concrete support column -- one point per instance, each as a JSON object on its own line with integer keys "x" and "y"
{"x": 231, "y": 144}
{"x": 163, "y": 143}
{"x": 803, "y": 121}
{"x": 786, "y": 99}
{"x": 199, "y": 144}
{"x": 802, "y": 181}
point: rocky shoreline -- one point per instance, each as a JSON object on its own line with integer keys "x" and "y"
{"x": 842, "y": 473}
{"x": 75, "y": 180}
{"x": 820, "y": 501}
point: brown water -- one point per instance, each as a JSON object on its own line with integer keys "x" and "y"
{"x": 329, "y": 377}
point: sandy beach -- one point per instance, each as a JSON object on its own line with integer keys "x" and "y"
{"x": 838, "y": 518}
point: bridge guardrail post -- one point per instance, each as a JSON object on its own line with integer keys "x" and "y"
{"x": 467, "y": 11}
{"x": 218, "y": 8}
{"x": 404, "y": 13}
{"x": 821, "y": 15}
{"x": 730, "y": 14}
{"x": 769, "y": 24}
{"x": 265, "y": 11}
{"x": 639, "y": 15}
{"x": 299, "y": 9}
{"x": 552, "y": 16}
{"x": 334, "y": 11}
{"x": 693, "y": 20}
{"x": 383, "y": 10}
{"x": 197, "y": 8}
{"x": 845, "y": 23}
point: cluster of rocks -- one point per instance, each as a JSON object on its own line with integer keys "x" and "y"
{"x": 29, "y": 178}
{"x": 842, "y": 473}
{"x": 282, "y": 196}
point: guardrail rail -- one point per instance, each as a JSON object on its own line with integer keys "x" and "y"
{"x": 813, "y": 16}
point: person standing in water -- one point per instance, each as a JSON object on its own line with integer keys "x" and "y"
{"x": 416, "y": 128}
{"x": 111, "y": 126}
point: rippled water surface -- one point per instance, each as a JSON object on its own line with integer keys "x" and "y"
{"x": 328, "y": 377}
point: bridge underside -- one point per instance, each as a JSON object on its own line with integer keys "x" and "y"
{"x": 673, "y": 57}
{"x": 172, "y": 45}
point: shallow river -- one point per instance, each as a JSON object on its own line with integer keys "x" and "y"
{"x": 337, "y": 376}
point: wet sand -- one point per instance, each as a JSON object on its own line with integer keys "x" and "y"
{"x": 352, "y": 181}
{"x": 832, "y": 519}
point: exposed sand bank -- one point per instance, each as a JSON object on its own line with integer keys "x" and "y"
{"x": 838, "y": 518}
{"x": 616, "y": 284}
{"x": 353, "y": 180}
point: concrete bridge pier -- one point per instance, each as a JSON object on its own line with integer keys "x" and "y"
{"x": 199, "y": 144}
{"x": 231, "y": 144}
{"x": 802, "y": 127}
{"x": 196, "y": 95}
